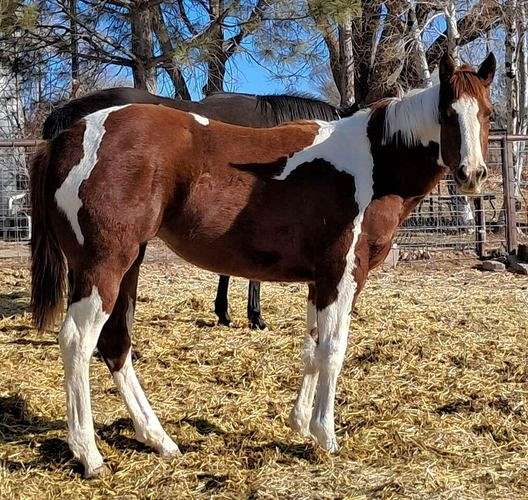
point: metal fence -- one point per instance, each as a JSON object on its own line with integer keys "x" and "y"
{"x": 443, "y": 224}
{"x": 15, "y": 214}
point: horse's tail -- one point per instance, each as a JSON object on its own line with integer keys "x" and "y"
{"x": 58, "y": 120}
{"x": 48, "y": 266}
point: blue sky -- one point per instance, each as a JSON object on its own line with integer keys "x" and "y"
{"x": 244, "y": 72}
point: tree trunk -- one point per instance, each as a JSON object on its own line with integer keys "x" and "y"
{"x": 216, "y": 68}
{"x": 421, "y": 59}
{"x": 345, "y": 84}
{"x": 522, "y": 126}
{"x": 390, "y": 53}
{"x": 365, "y": 36}
{"x": 141, "y": 25}
{"x": 160, "y": 29}
{"x": 512, "y": 83}
{"x": 74, "y": 47}
{"x": 216, "y": 56}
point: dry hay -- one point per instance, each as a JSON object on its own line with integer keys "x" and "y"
{"x": 432, "y": 402}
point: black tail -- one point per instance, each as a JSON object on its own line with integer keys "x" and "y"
{"x": 48, "y": 267}
{"x": 58, "y": 120}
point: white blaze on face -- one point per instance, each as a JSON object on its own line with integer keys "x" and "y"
{"x": 467, "y": 109}
{"x": 202, "y": 120}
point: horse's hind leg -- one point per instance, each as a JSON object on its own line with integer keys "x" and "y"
{"x": 221, "y": 302}
{"x": 95, "y": 289}
{"x": 115, "y": 348}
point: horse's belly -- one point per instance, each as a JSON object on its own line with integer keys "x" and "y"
{"x": 219, "y": 229}
{"x": 236, "y": 259}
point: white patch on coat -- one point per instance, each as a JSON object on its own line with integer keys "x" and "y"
{"x": 148, "y": 428}
{"x": 414, "y": 118}
{"x": 78, "y": 338}
{"x": 202, "y": 120}
{"x": 67, "y": 196}
{"x": 345, "y": 145}
{"x": 467, "y": 109}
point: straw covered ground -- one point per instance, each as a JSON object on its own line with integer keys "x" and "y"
{"x": 432, "y": 402}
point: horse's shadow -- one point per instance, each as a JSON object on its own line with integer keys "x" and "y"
{"x": 14, "y": 303}
{"x": 19, "y": 425}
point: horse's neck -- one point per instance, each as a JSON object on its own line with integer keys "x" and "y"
{"x": 405, "y": 137}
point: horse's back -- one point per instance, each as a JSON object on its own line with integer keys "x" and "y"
{"x": 67, "y": 114}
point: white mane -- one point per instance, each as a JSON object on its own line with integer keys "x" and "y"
{"x": 415, "y": 116}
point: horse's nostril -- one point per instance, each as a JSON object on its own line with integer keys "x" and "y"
{"x": 482, "y": 173}
{"x": 462, "y": 173}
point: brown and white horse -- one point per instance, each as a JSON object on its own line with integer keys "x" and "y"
{"x": 239, "y": 109}
{"x": 314, "y": 202}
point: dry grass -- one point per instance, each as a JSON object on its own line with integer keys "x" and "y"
{"x": 432, "y": 402}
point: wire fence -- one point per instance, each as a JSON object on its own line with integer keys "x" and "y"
{"x": 15, "y": 213}
{"x": 444, "y": 224}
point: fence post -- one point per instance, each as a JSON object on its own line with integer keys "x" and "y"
{"x": 480, "y": 227}
{"x": 508, "y": 189}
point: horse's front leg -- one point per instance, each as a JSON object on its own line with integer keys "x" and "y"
{"x": 334, "y": 297}
{"x": 302, "y": 411}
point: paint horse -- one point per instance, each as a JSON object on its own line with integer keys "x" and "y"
{"x": 310, "y": 201}
{"x": 238, "y": 109}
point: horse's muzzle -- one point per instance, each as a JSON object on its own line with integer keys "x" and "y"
{"x": 469, "y": 180}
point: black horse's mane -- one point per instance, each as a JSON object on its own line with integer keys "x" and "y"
{"x": 290, "y": 107}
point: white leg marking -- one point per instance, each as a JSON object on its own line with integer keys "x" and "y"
{"x": 78, "y": 338}
{"x": 333, "y": 323}
{"x": 67, "y": 196}
{"x": 202, "y": 120}
{"x": 147, "y": 426}
{"x": 302, "y": 411}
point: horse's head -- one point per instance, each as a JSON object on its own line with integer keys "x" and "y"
{"x": 465, "y": 110}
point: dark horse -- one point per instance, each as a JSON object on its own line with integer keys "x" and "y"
{"x": 239, "y": 109}
{"x": 310, "y": 201}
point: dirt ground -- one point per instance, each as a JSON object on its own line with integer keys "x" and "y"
{"x": 432, "y": 402}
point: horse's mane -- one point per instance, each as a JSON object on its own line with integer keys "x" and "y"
{"x": 411, "y": 118}
{"x": 290, "y": 107}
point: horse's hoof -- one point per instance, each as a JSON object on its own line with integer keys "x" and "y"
{"x": 98, "y": 472}
{"x": 257, "y": 323}
{"x": 325, "y": 438}
{"x": 224, "y": 319}
{"x": 170, "y": 452}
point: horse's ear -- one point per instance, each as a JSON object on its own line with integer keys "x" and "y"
{"x": 486, "y": 72}
{"x": 446, "y": 68}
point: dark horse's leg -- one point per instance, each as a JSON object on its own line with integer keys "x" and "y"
{"x": 221, "y": 306}
{"x": 253, "y": 306}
